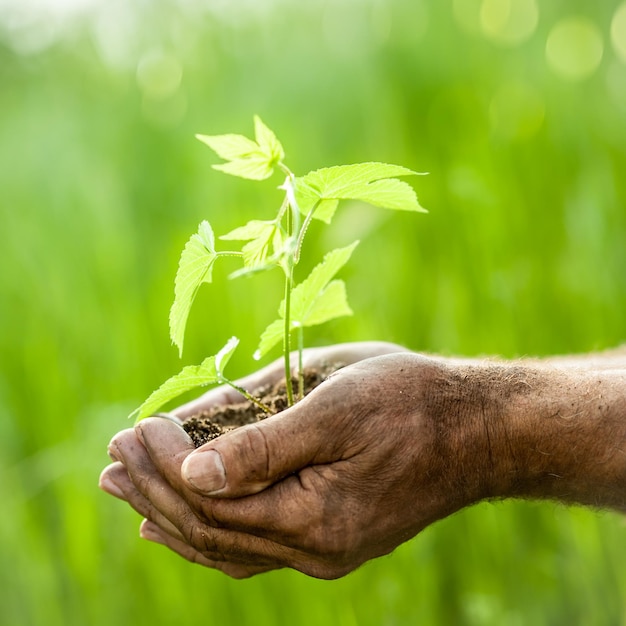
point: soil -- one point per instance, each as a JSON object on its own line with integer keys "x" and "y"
{"x": 212, "y": 423}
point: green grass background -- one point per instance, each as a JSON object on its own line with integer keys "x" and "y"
{"x": 101, "y": 183}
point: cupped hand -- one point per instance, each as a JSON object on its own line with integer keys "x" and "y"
{"x": 359, "y": 466}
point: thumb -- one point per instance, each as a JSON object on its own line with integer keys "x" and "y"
{"x": 250, "y": 458}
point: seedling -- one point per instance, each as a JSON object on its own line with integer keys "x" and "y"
{"x": 276, "y": 243}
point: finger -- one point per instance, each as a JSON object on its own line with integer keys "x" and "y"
{"x": 106, "y": 482}
{"x": 271, "y": 514}
{"x": 154, "y": 498}
{"x": 153, "y": 533}
{"x": 250, "y": 458}
{"x": 342, "y": 354}
{"x": 118, "y": 475}
{"x": 296, "y": 547}
{"x": 158, "y": 498}
{"x": 168, "y": 445}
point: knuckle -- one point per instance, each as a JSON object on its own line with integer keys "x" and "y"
{"x": 255, "y": 453}
{"x": 200, "y": 537}
{"x": 142, "y": 480}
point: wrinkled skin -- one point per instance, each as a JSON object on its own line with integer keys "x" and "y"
{"x": 383, "y": 448}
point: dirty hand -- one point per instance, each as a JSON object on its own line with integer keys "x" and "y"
{"x": 377, "y": 452}
{"x": 359, "y": 466}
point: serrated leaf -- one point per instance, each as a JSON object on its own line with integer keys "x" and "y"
{"x": 252, "y": 168}
{"x": 260, "y": 234}
{"x": 245, "y": 157}
{"x": 332, "y": 302}
{"x": 248, "y": 271}
{"x": 272, "y": 335}
{"x": 317, "y": 299}
{"x": 374, "y": 183}
{"x": 207, "y": 373}
{"x": 252, "y": 230}
{"x": 305, "y": 294}
{"x": 195, "y": 267}
{"x": 230, "y": 147}
{"x": 223, "y": 356}
{"x": 267, "y": 141}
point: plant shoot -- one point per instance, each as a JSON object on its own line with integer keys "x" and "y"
{"x": 277, "y": 242}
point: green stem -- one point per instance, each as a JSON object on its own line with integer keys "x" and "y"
{"x": 287, "y": 328}
{"x": 300, "y": 363}
{"x": 248, "y": 396}
{"x": 286, "y": 170}
{"x": 287, "y": 334}
{"x": 283, "y": 207}
{"x": 302, "y": 233}
{"x": 296, "y": 233}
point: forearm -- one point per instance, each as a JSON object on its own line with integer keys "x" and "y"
{"x": 558, "y": 434}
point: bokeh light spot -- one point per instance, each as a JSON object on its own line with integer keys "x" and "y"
{"x": 509, "y": 22}
{"x": 618, "y": 32}
{"x": 574, "y": 48}
{"x": 516, "y": 111}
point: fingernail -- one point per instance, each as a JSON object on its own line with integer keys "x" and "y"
{"x": 106, "y": 484}
{"x": 205, "y": 471}
{"x": 139, "y": 431}
{"x": 113, "y": 452}
{"x": 150, "y": 532}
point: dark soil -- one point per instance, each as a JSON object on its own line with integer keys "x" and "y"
{"x": 208, "y": 425}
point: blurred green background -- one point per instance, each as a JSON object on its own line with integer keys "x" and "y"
{"x": 517, "y": 109}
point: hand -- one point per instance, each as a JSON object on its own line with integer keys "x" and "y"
{"x": 377, "y": 452}
{"x": 359, "y": 466}
{"x": 339, "y": 354}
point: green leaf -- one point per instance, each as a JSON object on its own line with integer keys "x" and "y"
{"x": 191, "y": 376}
{"x": 332, "y": 302}
{"x": 245, "y": 157}
{"x": 267, "y": 141}
{"x": 230, "y": 147}
{"x": 272, "y": 335}
{"x": 254, "y": 167}
{"x": 195, "y": 267}
{"x": 223, "y": 356}
{"x": 305, "y": 295}
{"x": 374, "y": 183}
{"x": 317, "y": 299}
{"x": 261, "y": 235}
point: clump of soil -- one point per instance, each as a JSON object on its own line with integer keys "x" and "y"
{"x": 212, "y": 423}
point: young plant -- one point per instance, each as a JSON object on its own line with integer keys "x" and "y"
{"x": 276, "y": 243}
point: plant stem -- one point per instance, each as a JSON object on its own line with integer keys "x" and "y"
{"x": 287, "y": 328}
{"x": 287, "y": 334}
{"x": 229, "y": 253}
{"x": 302, "y": 233}
{"x": 300, "y": 363}
{"x": 248, "y": 396}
